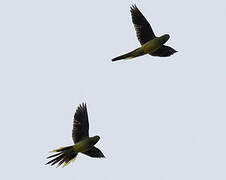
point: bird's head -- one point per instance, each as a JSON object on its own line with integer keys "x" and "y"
{"x": 164, "y": 38}
{"x": 93, "y": 140}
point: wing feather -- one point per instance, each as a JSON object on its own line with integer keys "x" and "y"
{"x": 81, "y": 124}
{"x": 95, "y": 153}
{"x": 164, "y": 51}
{"x": 142, "y": 27}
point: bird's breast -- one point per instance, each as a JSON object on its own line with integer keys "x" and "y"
{"x": 152, "y": 46}
{"x": 83, "y": 145}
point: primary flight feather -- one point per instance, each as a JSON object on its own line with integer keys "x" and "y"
{"x": 150, "y": 44}
{"x": 82, "y": 142}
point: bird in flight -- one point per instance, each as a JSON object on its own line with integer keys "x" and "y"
{"x": 150, "y": 44}
{"x": 82, "y": 142}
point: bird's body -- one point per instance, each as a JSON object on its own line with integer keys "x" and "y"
{"x": 83, "y": 143}
{"x": 150, "y": 44}
{"x": 81, "y": 146}
{"x": 154, "y": 44}
{"x": 149, "y": 47}
{"x": 86, "y": 144}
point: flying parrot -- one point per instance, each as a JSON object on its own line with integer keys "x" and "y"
{"x": 150, "y": 44}
{"x": 82, "y": 142}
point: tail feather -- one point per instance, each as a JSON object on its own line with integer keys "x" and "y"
{"x": 55, "y": 160}
{"x": 135, "y": 53}
{"x": 65, "y": 156}
{"x": 124, "y": 56}
{"x": 61, "y": 149}
{"x": 53, "y": 155}
{"x": 67, "y": 161}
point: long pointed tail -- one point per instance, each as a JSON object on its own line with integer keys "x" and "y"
{"x": 63, "y": 155}
{"x": 135, "y": 53}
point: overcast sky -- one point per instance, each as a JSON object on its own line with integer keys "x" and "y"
{"x": 158, "y": 118}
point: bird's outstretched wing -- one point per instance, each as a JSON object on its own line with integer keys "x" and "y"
{"x": 94, "y": 152}
{"x": 81, "y": 124}
{"x": 143, "y": 28}
{"x": 164, "y": 51}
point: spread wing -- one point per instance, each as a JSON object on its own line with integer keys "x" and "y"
{"x": 94, "y": 152}
{"x": 164, "y": 51}
{"x": 142, "y": 27}
{"x": 81, "y": 124}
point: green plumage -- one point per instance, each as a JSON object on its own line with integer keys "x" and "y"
{"x": 83, "y": 143}
{"x": 150, "y": 44}
{"x": 147, "y": 48}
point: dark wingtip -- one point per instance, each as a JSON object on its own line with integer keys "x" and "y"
{"x": 81, "y": 107}
{"x": 133, "y": 7}
{"x": 102, "y": 156}
{"x": 171, "y": 52}
{"x": 175, "y": 51}
{"x": 83, "y": 104}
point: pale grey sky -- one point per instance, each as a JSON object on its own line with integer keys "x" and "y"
{"x": 158, "y": 118}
